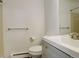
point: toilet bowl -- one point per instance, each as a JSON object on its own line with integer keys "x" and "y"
{"x": 35, "y": 51}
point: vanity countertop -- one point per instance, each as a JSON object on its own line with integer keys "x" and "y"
{"x": 57, "y": 41}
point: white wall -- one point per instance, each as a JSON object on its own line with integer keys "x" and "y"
{"x": 22, "y": 13}
{"x": 65, "y": 15}
{"x": 52, "y": 17}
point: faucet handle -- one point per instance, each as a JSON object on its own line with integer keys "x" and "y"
{"x": 74, "y": 35}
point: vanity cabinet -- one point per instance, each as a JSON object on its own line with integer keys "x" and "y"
{"x": 50, "y": 51}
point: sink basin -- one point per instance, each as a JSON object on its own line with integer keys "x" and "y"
{"x": 66, "y": 39}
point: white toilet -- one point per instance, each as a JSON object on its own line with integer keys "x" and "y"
{"x": 35, "y": 51}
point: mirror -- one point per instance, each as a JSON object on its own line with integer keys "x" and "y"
{"x": 68, "y": 16}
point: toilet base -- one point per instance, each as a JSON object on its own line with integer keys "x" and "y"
{"x": 36, "y": 56}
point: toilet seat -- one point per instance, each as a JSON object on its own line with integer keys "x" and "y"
{"x": 35, "y": 50}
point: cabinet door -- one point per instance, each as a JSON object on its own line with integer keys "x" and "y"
{"x": 50, "y": 51}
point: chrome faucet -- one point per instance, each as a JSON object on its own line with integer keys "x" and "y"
{"x": 74, "y": 35}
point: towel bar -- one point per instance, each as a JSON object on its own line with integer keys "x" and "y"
{"x": 18, "y": 29}
{"x": 63, "y": 27}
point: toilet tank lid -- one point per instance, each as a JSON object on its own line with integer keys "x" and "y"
{"x": 36, "y": 48}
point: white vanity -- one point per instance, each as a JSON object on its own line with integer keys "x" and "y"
{"x": 60, "y": 47}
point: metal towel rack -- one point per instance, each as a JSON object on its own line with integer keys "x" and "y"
{"x": 63, "y": 27}
{"x": 18, "y": 29}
